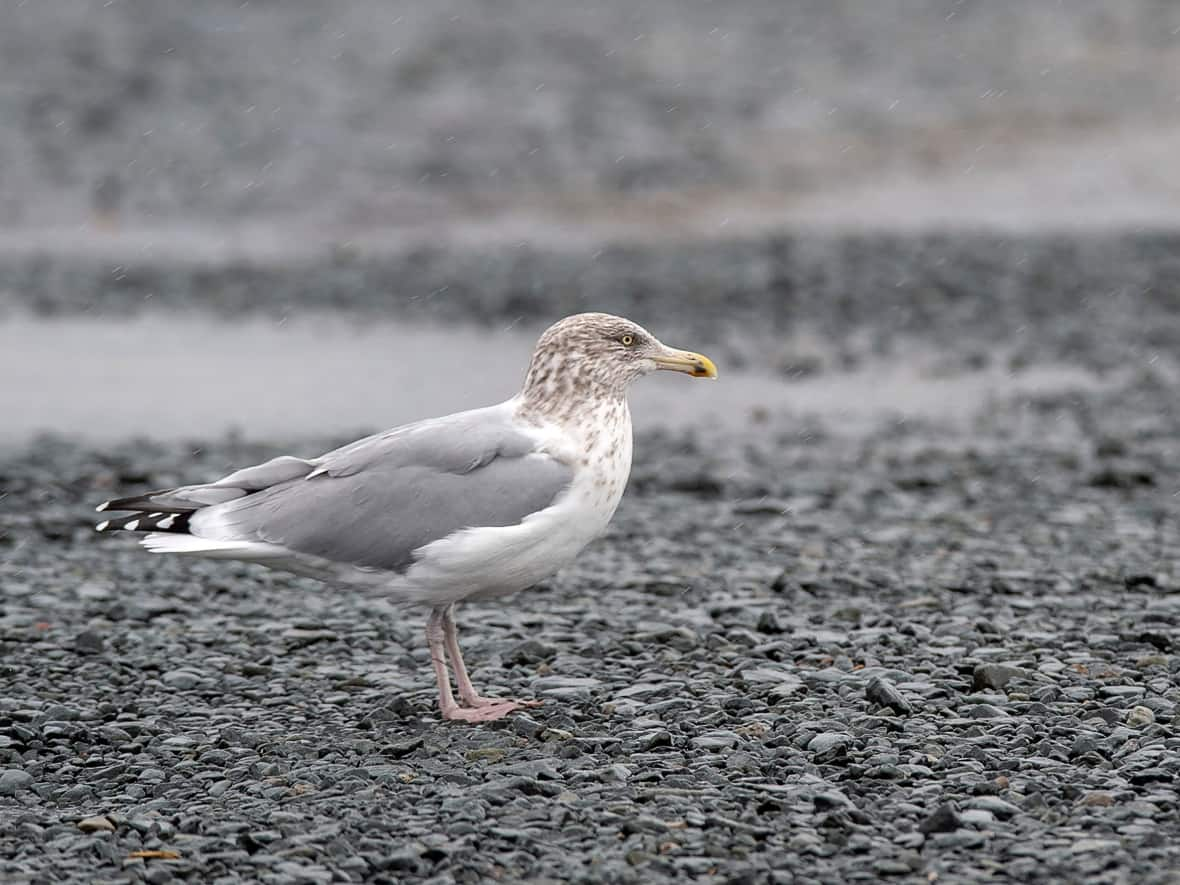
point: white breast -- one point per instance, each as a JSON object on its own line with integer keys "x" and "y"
{"x": 506, "y": 559}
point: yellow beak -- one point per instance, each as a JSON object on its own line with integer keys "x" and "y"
{"x": 695, "y": 364}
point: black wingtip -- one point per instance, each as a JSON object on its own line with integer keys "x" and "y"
{"x": 160, "y": 521}
{"x": 138, "y": 502}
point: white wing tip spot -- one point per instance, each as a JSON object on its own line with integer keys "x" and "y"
{"x": 103, "y": 506}
{"x": 132, "y": 526}
{"x": 166, "y": 523}
{"x": 102, "y": 526}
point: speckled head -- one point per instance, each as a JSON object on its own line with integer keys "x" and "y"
{"x": 590, "y": 356}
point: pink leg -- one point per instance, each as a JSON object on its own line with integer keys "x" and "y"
{"x": 435, "y": 639}
{"x": 467, "y": 693}
{"x": 441, "y": 638}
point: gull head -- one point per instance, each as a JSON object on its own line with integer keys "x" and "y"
{"x": 597, "y": 354}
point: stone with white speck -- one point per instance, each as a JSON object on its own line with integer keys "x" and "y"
{"x": 1140, "y": 717}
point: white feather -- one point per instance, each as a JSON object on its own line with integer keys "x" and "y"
{"x": 164, "y": 542}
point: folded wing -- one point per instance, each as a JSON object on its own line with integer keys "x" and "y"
{"x": 374, "y": 502}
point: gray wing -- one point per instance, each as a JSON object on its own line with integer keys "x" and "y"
{"x": 375, "y": 502}
{"x": 186, "y": 499}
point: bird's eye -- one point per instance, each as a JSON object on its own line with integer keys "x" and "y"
{"x": 627, "y": 340}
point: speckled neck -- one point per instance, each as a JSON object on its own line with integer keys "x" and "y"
{"x": 564, "y": 386}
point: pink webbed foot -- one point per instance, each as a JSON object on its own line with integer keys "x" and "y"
{"x": 475, "y": 702}
{"x": 488, "y": 711}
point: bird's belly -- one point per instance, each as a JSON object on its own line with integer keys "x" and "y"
{"x": 495, "y": 561}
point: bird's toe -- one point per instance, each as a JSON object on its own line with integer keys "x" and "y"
{"x": 477, "y": 701}
{"x": 489, "y": 712}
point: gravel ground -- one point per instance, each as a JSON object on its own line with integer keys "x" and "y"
{"x": 797, "y": 657}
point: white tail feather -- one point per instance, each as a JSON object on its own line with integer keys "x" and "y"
{"x": 165, "y": 542}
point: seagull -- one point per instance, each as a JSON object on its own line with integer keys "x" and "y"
{"x": 472, "y": 506}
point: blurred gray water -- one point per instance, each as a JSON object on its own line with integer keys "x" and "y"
{"x": 201, "y": 378}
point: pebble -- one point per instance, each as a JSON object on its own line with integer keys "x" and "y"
{"x": 994, "y": 676}
{"x": 1140, "y": 717}
{"x": 14, "y": 780}
{"x": 994, "y": 805}
{"x": 944, "y": 819}
{"x": 986, "y": 711}
{"x": 89, "y": 642}
{"x": 93, "y": 591}
{"x": 181, "y": 680}
{"x": 883, "y": 693}
{"x": 717, "y": 740}
{"x": 1121, "y": 691}
{"x": 768, "y": 622}
{"x": 889, "y": 867}
{"x": 98, "y": 824}
{"x": 977, "y": 817}
{"x": 830, "y": 744}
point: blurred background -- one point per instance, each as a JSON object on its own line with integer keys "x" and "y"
{"x": 275, "y": 215}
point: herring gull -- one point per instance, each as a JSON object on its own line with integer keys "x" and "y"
{"x": 471, "y": 506}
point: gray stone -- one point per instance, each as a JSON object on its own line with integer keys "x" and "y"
{"x": 883, "y": 693}
{"x": 1140, "y": 717}
{"x": 944, "y": 819}
{"x": 717, "y": 740}
{"x": 986, "y": 711}
{"x": 97, "y": 824}
{"x": 995, "y": 805}
{"x": 89, "y": 642}
{"x": 977, "y": 817}
{"x": 830, "y": 744}
{"x": 13, "y": 780}
{"x": 181, "y": 680}
{"x": 994, "y": 676}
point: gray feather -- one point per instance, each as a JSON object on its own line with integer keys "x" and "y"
{"x": 238, "y": 484}
{"x": 373, "y": 503}
{"x": 454, "y": 444}
{"x": 264, "y": 475}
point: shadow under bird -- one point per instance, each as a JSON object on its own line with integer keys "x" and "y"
{"x": 475, "y": 505}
